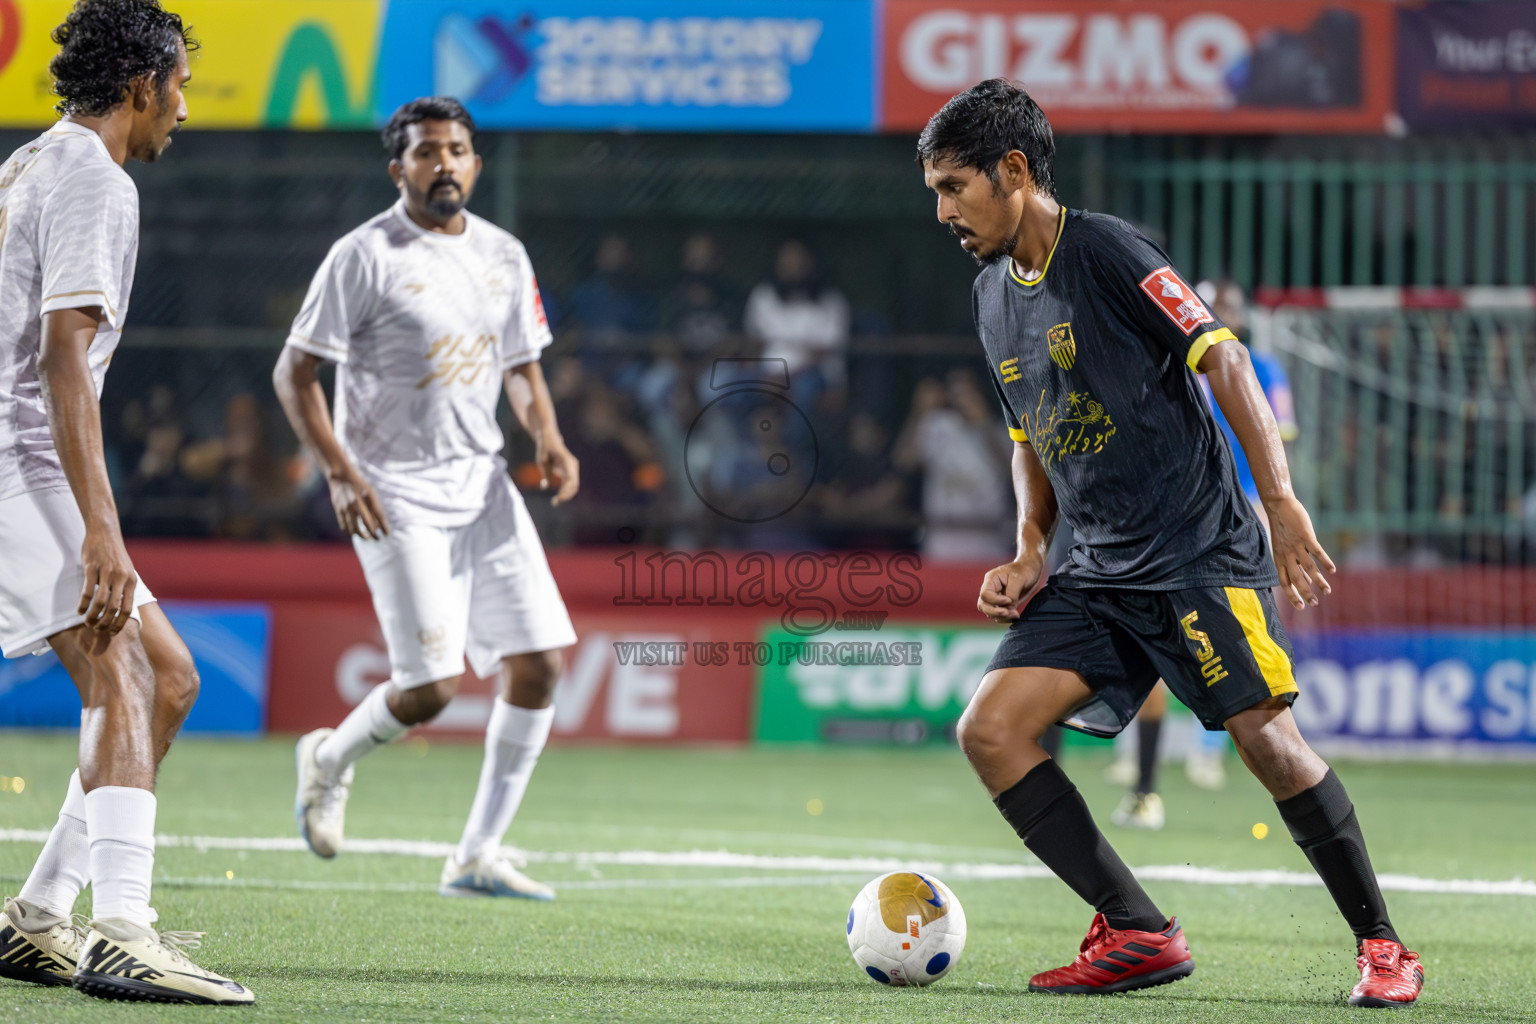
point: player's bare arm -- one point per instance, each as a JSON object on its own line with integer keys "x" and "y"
{"x": 358, "y": 509}
{"x": 74, "y": 418}
{"x": 535, "y": 410}
{"x": 1299, "y": 557}
{"x": 1007, "y": 585}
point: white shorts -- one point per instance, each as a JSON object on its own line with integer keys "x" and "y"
{"x": 483, "y": 590}
{"x": 40, "y": 572}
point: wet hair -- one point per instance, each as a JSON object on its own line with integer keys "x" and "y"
{"x": 980, "y": 126}
{"x": 428, "y": 108}
{"x": 105, "y": 44}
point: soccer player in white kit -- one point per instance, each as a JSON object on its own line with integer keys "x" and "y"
{"x": 69, "y": 225}
{"x": 428, "y": 312}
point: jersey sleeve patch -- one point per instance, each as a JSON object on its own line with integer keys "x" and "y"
{"x": 1176, "y": 298}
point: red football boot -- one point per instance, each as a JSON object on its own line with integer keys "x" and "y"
{"x": 1111, "y": 961}
{"x": 1389, "y": 975}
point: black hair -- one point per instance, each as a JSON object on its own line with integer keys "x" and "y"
{"x": 978, "y": 127}
{"x": 428, "y": 108}
{"x": 105, "y": 44}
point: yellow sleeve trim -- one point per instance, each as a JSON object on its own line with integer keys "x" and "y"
{"x": 1273, "y": 663}
{"x": 1018, "y": 435}
{"x": 1198, "y": 347}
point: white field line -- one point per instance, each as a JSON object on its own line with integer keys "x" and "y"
{"x": 699, "y": 859}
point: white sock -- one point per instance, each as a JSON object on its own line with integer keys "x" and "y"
{"x": 369, "y": 726}
{"x": 513, "y": 740}
{"x": 121, "y": 823}
{"x": 63, "y": 869}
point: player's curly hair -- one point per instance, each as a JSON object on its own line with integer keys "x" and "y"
{"x": 105, "y": 44}
{"x": 428, "y": 108}
{"x": 980, "y": 126}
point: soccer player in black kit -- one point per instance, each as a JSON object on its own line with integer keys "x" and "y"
{"x": 1093, "y": 340}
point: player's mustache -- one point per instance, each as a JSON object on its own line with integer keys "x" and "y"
{"x": 445, "y": 183}
{"x": 960, "y": 232}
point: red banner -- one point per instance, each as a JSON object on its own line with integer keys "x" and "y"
{"x": 1149, "y": 65}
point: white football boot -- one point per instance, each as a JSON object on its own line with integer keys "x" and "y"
{"x": 39, "y": 948}
{"x": 1205, "y": 769}
{"x": 125, "y": 961}
{"x": 320, "y": 806}
{"x": 494, "y": 875}
{"x": 1140, "y": 810}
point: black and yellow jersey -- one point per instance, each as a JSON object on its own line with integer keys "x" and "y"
{"x": 1094, "y": 364}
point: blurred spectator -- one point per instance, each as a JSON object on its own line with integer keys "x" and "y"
{"x": 866, "y": 501}
{"x": 251, "y": 487}
{"x": 702, "y": 309}
{"x": 952, "y": 435}
{"x": 802, "y": 320}
{"x": 619, "y": 471}
{"x": 608, "y": 307}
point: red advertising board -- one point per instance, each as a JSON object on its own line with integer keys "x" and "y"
{"x": 1148, "y": 65}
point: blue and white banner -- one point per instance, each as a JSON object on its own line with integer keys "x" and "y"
{"x": 1400, "y": 689}
{"x": 752, "y": 65}
{"x": 231, "y": 644}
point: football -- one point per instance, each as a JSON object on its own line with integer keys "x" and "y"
{"x": 906, "y": 928}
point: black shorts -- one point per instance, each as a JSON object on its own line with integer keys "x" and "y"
{"x": 1220, "y": 649}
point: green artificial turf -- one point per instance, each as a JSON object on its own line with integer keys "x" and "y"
{"x": 366, "y": 938}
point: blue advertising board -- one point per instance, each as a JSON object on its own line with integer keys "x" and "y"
{"x": 1400, "y": 688}
{"x": 230, "y": 643}
{"x": 669, "y": 65}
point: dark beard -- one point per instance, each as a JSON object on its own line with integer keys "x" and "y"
{"x": 444, "y": 203}
{"x": 996, "y": 256}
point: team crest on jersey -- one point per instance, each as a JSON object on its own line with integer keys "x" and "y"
{"x": 1063, "y": 346}
{"x": 1176, "y": 299}
{"x": 1009, "y": 368}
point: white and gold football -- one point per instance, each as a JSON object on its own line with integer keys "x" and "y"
{"x": 906, "y": 928}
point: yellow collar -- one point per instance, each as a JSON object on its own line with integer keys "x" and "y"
{"x": 1013, "y": 270}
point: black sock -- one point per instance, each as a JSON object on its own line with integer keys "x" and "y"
{"x": 1049, "y": 814}
{"x": 1051, "y": 741}
{"x": 1322, "y": 821}
{"x": 1147, "y": 732}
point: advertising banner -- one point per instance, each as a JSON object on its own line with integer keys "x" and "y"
{"x": 1392, "y": 688}
{"x": 230, "y": 643}
{"x": 802, "y": 65}
{"x": 1148, "y": 65}
{"x": 901, "y": 683}
{"x": 1460, "y": 62}
{"x": 263, "y": 63}
{"x": 632, "y": 678}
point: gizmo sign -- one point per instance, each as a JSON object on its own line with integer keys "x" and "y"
{"x": 1148, "y": 66}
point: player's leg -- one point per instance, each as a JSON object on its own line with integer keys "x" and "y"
{"x": 1316, "y": 809}
{"x": 1142, "y": 807}
{"x": 422, "y": 605}
{"x": 1232, "y": 666}
{"x": 127, "y": 722}
{"x": 1000, "y": 735}
{"x": 517, "y": 624}
{"x": 521, "y": 717}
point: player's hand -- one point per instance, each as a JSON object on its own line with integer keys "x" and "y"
{"x": 107, "y": 598}
{"x": 1005, "y": 586}
{"x": 558, "y": 467}
{"x": 357, "y": 507}
{"x": 1299, "y": 557}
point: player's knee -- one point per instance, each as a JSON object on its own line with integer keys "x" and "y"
{"x": 532, "y": 678}
{"x": 983, "y": 735}
{"x": 422, "y": 703}
{"x": 176, "y": 687}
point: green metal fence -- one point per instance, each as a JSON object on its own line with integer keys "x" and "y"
{"x": 1416, "y": 217}
{"x": 1418, "y": 427}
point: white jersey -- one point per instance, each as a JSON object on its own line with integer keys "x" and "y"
{"x": 69, "y": 237}
{"x": 421, "y": 325}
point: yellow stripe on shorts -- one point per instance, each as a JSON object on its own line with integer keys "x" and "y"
{"x": 1274, "y": 666}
